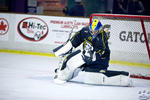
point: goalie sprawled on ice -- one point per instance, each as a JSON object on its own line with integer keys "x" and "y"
{"x": 93, "y": 60}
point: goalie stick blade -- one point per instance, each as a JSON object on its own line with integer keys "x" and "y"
{"x": 57, "y": 48}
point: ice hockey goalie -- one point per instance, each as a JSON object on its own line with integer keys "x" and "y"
{"x": 93, "y": 59}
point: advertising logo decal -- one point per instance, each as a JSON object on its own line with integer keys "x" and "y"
{"x": 33, "y": 29}
{"x": 4, "y": 26}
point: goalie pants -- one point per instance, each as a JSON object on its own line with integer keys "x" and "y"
{"x": 74, "y": 61}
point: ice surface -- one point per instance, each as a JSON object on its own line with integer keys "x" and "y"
{"x": 28, "y": 77}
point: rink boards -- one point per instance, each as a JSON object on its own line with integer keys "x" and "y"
{"x": 39, "y": 35}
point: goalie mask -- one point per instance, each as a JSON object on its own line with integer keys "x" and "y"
{"x": 95, "y": 26}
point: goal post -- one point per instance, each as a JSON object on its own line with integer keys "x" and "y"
{"x": 143, "y": 28}
{"x": 145, "y": 36}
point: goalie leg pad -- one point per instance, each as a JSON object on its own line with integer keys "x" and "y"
{"x": 71, "y": 65}
{"x": 113, "y": 78}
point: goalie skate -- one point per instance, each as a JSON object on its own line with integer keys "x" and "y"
{"x": 58, "y": 81}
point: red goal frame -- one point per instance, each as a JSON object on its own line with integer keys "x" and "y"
{"x": 141, "y": 18}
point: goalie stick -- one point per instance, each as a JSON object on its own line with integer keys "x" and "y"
{"x": 61, "y": 60}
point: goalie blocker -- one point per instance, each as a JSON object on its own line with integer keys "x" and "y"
{"x": 109, "y": 77}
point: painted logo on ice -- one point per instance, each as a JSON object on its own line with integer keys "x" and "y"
{"x": 144, "y": 95}
{"x": 4, "y": 26}
{"x": 33, "y": 29}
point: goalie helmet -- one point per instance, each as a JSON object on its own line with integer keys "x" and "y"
{"x": 95, "y": 26}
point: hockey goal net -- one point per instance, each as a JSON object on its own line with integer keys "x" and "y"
{"x": 129, "y": 41}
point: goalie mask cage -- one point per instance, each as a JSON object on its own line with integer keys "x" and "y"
{"x": 129, "y": 39}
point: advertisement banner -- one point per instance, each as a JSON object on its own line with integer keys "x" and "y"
{"x": 61, "y": 28}
{"x": 125, "y": 35}
{"x": 31, "y": 29}
{"x": 46, "y": 29}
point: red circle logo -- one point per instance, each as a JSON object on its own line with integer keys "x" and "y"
{"x": 4, "y": 26}
{"x": 33, "y": 29}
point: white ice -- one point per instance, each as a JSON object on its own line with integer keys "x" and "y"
{"x": 29, "y": 77}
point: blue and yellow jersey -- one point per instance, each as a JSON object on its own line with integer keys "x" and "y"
{"x": 99, "y": 42}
